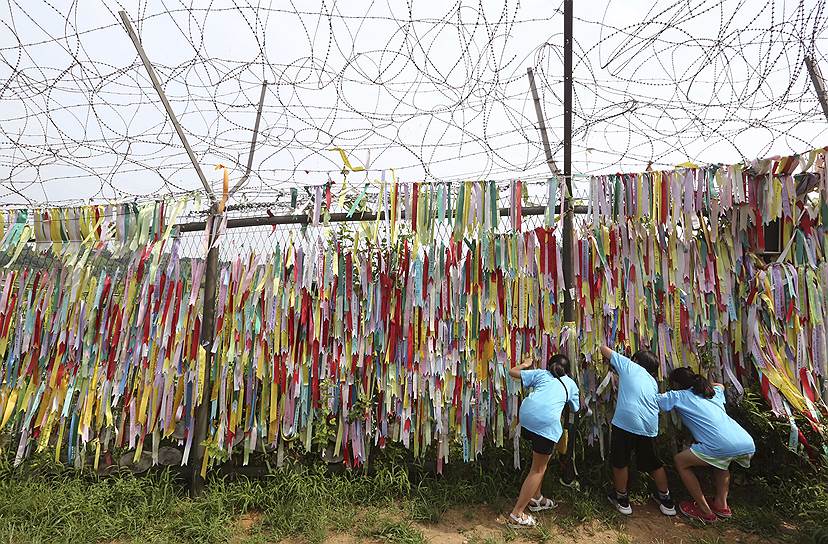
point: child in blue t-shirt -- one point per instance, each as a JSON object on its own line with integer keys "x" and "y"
{"x": 540, "y": 422}
{"x": 634, "y": 428}
{"x": 719, "y": 441}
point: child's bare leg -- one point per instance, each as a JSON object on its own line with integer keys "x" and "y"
{"x": 660, "y": 478}
{"x": 538, "y": 491}
{"x": 722, "y": 479}
{"x": 532, "y": 482}
{"x": 537, "y": 494}
{"x": 685, "y": 461}
{"x": 620, "y": 476}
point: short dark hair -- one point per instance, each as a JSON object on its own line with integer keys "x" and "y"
{"x": 648, "y": 360}
{"x": 559, "y": 365}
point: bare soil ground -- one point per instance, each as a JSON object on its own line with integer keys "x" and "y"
{"x": 646, "y": 526}
{"x": 483, "y": 525}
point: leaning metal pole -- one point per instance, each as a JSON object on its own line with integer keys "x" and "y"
{"x": 173, "y": 119}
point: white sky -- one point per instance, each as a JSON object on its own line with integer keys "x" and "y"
{"x": 438, "y": 92}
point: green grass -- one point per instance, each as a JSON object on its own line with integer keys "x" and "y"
{"x": 306, "y": 501}
{"x": 586, "y": 506}
{"x": 41, "y": 502}
{"x": 543, "y": 535}
{"x": 48, "y": 506}
{"x": 394, "y": 532}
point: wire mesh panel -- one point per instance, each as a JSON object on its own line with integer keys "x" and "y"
{"x": 350, "y": 331}
{"x": 295, "y": 305}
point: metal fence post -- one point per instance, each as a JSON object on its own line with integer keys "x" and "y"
{"x": 203, "y": 411}
{"x": 567, "y": 254}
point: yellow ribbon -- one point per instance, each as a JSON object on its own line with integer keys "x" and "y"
{"x": 346, "y": 162}
{"x": 225, "y": 188}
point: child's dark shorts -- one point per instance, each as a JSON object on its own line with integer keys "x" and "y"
{"x": 622, "y": 444}
{"x": 540, "y": 445}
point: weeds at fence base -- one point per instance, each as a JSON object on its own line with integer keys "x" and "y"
{"x": 308, "y": 503}
{"x": 394, "y": 500}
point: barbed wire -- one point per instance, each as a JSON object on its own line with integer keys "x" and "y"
{"x": 436, "y": 91}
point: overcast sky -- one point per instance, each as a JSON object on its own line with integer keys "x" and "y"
{"x": 437, "y": 92}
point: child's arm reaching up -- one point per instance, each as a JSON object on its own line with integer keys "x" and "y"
{"x": 618, "y": 362}
{"x": 606, "y": 352}
{"x": 515, "y": 371}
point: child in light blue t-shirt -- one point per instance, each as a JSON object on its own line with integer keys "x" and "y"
{"x": 540, "y": 422}
{"x": 635, "y": 428}
{"x": 719, "y": 441}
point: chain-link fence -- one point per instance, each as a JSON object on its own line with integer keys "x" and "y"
{"x": 114, "y": 259}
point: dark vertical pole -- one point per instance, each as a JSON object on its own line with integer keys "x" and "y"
{"x": 203, "y": 411}
{"x": 568, "y": 236}
{"x": 571, "y": 473}
{"x": 819, "y": 84}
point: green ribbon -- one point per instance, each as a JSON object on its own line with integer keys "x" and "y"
{"x": 458, "y": 214}
{"x": 493, "y": 205}
{"x": 441, "y": 205}
{"x": 357, "y": 201}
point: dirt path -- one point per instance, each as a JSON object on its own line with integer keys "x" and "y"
{"x": 647, "y": 526}
{"x": 482, "y": 525}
